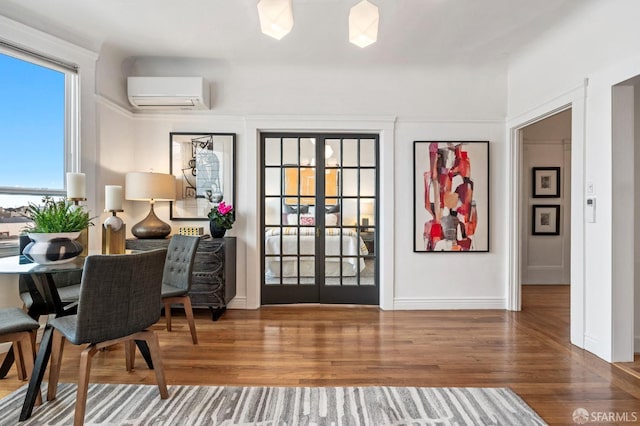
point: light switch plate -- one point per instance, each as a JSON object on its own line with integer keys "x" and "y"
{"x": 590, "y": 212}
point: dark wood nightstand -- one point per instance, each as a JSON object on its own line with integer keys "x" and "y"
{"x": 369, "y": 240}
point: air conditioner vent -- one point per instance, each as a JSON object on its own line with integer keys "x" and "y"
{"x": 163, "y": 93}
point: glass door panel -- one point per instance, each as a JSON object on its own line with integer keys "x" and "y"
{"x": 319, "y": 204}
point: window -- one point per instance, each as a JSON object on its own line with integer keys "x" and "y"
{"x": 38, "y": 141}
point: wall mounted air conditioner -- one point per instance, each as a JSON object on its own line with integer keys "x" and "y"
{"x": 161, "y": 93}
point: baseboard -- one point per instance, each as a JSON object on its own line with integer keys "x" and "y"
{"x": 436, "y": 303}
{"x": 420, "y": 303}
{"x": 238, "y": 303}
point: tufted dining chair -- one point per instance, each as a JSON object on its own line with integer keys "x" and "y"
{"x": 119, "y": 300}
{"x": 177, "y": 278}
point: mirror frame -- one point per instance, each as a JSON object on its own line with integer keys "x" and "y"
{"x": 185, "y": 189}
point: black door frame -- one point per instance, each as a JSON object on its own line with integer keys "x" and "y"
{"x": 320, "y": 292}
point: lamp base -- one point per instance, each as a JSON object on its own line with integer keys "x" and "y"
{"x": 151, "y": 227}
{"x": 114, "y": 234}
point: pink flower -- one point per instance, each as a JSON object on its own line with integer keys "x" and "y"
{"x": 224, "y": 208}
{"x": 222, "y": 215}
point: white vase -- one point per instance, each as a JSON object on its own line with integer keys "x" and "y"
{"x": 53, "y": 248}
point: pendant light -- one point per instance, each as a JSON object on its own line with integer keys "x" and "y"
{"x": 276, "y": 17}
{"x": 363, "y": 24}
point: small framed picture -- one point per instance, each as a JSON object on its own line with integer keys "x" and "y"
{"x": 546, "y": 219}
{"x": 546, "y": 182}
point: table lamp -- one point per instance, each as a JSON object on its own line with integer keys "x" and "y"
{"x": 152, "y": 187}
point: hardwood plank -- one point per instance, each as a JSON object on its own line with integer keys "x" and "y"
{"x": 528, "y": 351}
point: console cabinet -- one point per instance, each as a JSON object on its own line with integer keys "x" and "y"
{"x": 214, "y": 271}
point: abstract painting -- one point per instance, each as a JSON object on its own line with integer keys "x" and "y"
{"x": 451, "y": 196}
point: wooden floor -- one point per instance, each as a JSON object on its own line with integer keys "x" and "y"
{"x": 527, "y": 351}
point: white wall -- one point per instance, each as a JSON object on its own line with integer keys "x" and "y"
{"x": 445, "y": 103}
{"x": 598, "y": 43}
{"x": 546, "y": 258}
{"x": 449, "y": 280}
{"x": 636, "y": 208}
{"x": 623, "y": 257}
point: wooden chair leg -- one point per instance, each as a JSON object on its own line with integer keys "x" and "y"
{"x": 154, "y": 348}
{"x": 189, "y": 313}
{"x": 167, "y": 314}
{"x": 19, "y": 359}
{"x": 130, "y": 354}
{"x": 83, "y": 384}
{"x": 55, "y": 363}
{"x": 28, "y": 343}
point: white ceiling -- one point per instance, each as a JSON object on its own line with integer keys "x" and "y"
{"x": 412, "y": 32}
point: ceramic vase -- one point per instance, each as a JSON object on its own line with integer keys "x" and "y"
{"x": 48, "y": 249}
{"x": 216, "y": 231}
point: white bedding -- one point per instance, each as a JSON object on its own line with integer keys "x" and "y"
{"x": 352, "y": 245}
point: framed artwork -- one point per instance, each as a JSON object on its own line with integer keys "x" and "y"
{"x": 546, "y": 182}
{"x": 450, "y": 196}
{"x": 204, "y": 167}
{"x": 546, "y": 219}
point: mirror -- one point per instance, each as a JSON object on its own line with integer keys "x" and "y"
{"x": 203, "y": 164}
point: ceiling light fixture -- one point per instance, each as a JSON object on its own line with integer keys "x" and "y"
{"x": 363, "y": 24}
{"x": 276, "y": 17}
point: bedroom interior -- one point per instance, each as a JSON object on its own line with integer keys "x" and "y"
{"x": 439, "y": 71}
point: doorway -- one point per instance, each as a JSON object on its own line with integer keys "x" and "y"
{"x": 319, "y": 200}
{"x": 545, "y": 222}
{"x": 576, "y": 101}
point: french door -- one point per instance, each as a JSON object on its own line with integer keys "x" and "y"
{"x": 319, "y": 218}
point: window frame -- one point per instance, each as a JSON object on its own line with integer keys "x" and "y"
{"x": 71, "y": 115}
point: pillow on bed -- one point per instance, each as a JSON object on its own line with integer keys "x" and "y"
{"x": 332, "y": 209}
{"x": 331, "y": 220}
{"x": 294, "y": 208}
{"x": 305, "y": 219}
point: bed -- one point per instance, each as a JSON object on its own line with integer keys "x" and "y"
{"x": 352, "y": 246}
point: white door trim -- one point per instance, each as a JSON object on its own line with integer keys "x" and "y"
{"x": 576, "y": 100}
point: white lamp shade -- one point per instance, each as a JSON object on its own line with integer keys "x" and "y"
{"x": 145, "y": 186}
{"x": 276, "y": 17}
{"x": 366, "y": 207}
{"x": 328, "y": 151}
{"x": 363, "y": 24}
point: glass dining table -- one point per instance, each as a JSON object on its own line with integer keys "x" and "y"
{"x": 44, "y": 293}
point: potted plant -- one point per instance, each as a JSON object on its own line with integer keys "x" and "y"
{"x": 55, "y": 227}
{"x": 221, "y": 218}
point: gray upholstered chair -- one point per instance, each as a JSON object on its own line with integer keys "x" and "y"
{"x": 20, "y": 329}
{"x": 176, "y": 279}
{"x": 119, "y": 300}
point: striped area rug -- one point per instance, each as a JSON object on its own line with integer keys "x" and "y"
{"x": 217, "y": 405}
